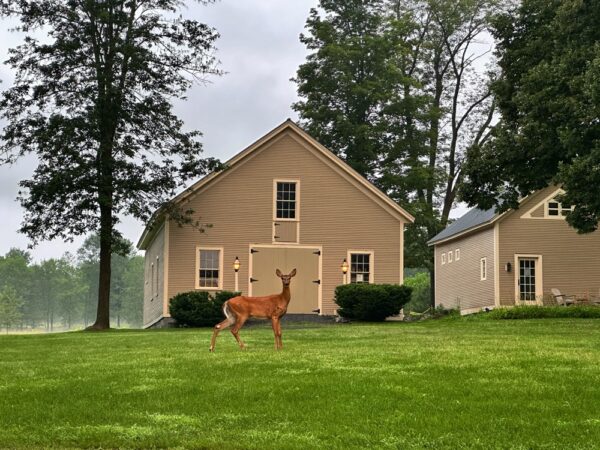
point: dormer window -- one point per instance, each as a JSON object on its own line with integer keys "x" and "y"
{"x": 556, "y": 209}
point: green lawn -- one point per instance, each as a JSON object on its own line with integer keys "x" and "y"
{"x": 452, "y": 383}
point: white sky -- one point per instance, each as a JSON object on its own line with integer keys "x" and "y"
{"x": 260, "y": 51}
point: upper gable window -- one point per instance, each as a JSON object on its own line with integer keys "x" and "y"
{"x": 556, "y": 209}
{"x": 286, "y": 200}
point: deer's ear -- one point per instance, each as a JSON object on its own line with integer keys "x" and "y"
{"x": 293, "y": 273}
{"x": 278, "y": 273}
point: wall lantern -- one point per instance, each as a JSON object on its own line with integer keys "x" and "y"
{"x": 508, "y": 267}
{"x": 236, "y": 264}
{"x": 345, "y": 267}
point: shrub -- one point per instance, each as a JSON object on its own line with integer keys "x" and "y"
{"x": 371, "y": 302}
{"x": 420, "y": 299}
{"x": 545, "y": 312}
{"x": 198, "y": 308}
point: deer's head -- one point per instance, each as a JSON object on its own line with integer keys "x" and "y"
{"x": 285, "y": 279}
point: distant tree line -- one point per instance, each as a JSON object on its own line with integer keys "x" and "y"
{"x": 62, "y": 293}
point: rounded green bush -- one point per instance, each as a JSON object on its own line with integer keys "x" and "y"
{"x": 198, "y": 308}
{"x": 371, "y": 302}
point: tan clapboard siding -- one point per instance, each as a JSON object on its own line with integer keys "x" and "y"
{"x": 571, "y": 262}
{"x": 153, "y": 304}
{"x": 538, "y": 212}
{"x": 334, "y": 214}
{"x": 459, "y": 284}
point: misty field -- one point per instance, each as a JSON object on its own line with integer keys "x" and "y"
{"x": 453, "y": 383}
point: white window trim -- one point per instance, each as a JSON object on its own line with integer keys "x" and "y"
{"x": 371, "y": 254}
{"x": 457, "y": 254}
{"x": 450, "y": 258}
{"x": 151, "y": 281}
{"x": 443, "y": 259}
{"x": 560, "y": 210}
{"x": 483, "y": 265}
{"x": 539, "y": 278}
{"x": 280, "y": 180}
{"x": 197, "y": 276}
{"x": 544, "y": 203}
{"x": 157, "y": 277}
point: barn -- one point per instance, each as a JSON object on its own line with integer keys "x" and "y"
{"x": 284, "y": 202}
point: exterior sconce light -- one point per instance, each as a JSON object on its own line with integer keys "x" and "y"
{"x": 345, "y": 267}
{"x": 508, "y": 267}
{"x": 236, "y": 268}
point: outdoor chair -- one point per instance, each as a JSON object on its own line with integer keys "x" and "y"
{"x": 562, "y": 299}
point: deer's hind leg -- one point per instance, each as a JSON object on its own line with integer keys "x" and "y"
{"x": 235, "y": 331}
{"x": 218, "y": 327}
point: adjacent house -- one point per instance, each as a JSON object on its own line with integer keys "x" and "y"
{"x": 486, "y": 259}
{"x": 284, "y": 202}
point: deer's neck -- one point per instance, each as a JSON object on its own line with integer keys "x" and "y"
{"x": 286, "y": 294}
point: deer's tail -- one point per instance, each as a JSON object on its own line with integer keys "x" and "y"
{"x": 228, "y": 313}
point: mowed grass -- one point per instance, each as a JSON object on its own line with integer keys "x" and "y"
{"x": 452, "y": 383}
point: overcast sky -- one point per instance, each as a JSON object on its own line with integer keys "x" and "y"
{"x": 259, "y": 49}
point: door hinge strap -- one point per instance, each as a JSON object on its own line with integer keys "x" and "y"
{"x": 317, "y": 281}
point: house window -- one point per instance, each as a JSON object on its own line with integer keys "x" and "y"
{"x": 210, "y": 268}
{"x": 443, "y": 259}
{"x": 457, "y": 254}
{"x": 556, "y": 209}
{"x": 483, "y": 268}
{"x": 286, "y": 200}
{"x": 449, "y": 257}
{"x": 361, "y": 269}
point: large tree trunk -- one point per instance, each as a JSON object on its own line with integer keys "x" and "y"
{"x": 105, "y": 202}
{"x": 103, "y": 311}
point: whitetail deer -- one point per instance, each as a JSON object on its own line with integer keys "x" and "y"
{"x": 239, "y": 309}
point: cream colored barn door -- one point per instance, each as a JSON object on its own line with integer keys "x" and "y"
{"x": 305, "y": 285}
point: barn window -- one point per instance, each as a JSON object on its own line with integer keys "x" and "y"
{"x": 556, "y": 209}
{"x": 210, "y": 268}
{"x": 286, "y": 200}
{"x": 361, "y": 267}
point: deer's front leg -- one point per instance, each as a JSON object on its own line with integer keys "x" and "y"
{"x": 277, "y": 332}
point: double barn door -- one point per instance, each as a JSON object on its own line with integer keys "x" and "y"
{"x": 305, "y": 288}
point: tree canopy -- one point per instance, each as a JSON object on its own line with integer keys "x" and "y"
{"x": 394, "y": 88}
{"x": 549, "y": 97}
{"x": 93, "y": 101}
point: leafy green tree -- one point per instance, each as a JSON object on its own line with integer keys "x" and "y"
{"x": 132, "y": 295}
{"x": 549, "y": 97}
{"x": 127, "y": 279}
{"x": 46, "y": 287}
{"x": 16, "y": 271}
{"x": 10, "y": 307}
{"x": 348, "y": 79}
{"x": 70, "y": 291}
{"x": 93, "y": 101}
{"x": 447, "y": 42}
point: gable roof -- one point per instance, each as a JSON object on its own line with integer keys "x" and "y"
{"x": 476, "y": 218}
{"x": 357, "y": 179}
{"x": 473, "y": 219}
